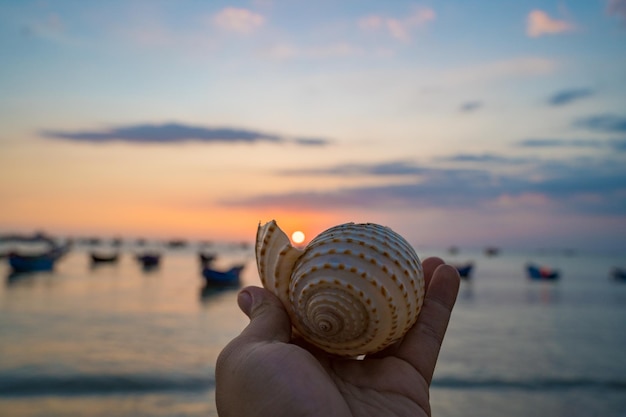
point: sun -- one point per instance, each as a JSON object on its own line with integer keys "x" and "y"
{"x": 297, "y": 237}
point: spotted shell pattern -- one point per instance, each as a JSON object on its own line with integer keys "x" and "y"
{"x": 353, "y": 290}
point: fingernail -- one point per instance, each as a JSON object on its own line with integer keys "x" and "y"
{"x": 244, "y": 299}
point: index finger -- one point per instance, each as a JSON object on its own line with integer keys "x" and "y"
{"x": 420, "y": 347}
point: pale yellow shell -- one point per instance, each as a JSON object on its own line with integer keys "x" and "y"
{"x": 353, "y": 290}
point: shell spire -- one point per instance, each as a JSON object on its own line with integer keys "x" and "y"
{"x": 275, "y": 257}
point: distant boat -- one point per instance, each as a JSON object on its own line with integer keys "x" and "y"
{"x": 44, "y": 261}
{"x": 492, "y": 251}
{"x": 618, "y": 274}
{"x": 536, "y": 272}
{"x": 228, "y": 278}
{"x": 465, "y": 270}
{"x": 98, "y": 258}
{"x": 176, "y": 243}
{"x": 149, "y": 260}
{"x": 206, "y": 258}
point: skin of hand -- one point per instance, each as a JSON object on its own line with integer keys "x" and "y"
{"x": 263, "y": 372}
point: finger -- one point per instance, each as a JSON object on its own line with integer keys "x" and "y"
{"x": 269, "y": 323}
{"x": 269, "y": 320}
{"x": 422, "y": 343}
{"x": 429, "y": 265}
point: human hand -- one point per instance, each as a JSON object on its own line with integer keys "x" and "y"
{"x": 263, "y": 372}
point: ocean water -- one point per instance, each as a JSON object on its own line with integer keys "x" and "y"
{"x": 119, "y": 341}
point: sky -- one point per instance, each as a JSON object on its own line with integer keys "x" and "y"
{"x": 465, "y": 123}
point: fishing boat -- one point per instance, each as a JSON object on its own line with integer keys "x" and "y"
{"x": 100, "y": 258}
{"x": 149, "y": 260}
{"x": 206, "y": 258}
{"x": 491, "y": 251}
{"x": 465, "y": 270}
{"x": 227, "y": 278}
{"x": 539, "y": 273}
{"x": 32, "y": 262}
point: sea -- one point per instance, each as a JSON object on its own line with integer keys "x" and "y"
{"x": 118, "y": 340}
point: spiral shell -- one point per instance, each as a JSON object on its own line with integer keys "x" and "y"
{"x": 353, "y": 290}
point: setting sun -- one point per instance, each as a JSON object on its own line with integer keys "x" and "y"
{"x": 297, "y": 237}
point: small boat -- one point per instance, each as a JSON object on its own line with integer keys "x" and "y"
{"x": 491, "y": 251}
{"x": 99, "y": 258}
{"x": 465, "y": 270}
{"x": 539, "y": 273}
{"x": 149, "y": 260}
{"x": 618, "y": 274}
{"x": 176, "y": 243}
{"x": 206, "y": 258}
{"x": 228, "y": 278}
{"x": 21, "y": 262}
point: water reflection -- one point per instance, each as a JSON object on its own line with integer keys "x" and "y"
{"x": 466, "y": 292}
{"x": 25, "y": 279}
{"x": 209, "y": 293}
{"x": 546, "y": 293}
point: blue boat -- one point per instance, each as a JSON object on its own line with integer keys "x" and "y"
{"x": 149, "y": 260}
{"x": 465, "y": 270}
{"x": 228, "y": 278}
{"x": 539, "y": 273}
{"x": 45, "y": 261}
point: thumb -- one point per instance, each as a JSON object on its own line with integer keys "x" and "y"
{"x": 269, "y": 320}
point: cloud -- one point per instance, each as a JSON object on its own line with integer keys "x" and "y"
{"x": 238, "y": 20}
{"x": 617, "y": 8}
{"x": 564, "y": 97}
{"x": 391, "y": 168}
{"x": 311, "y": 141}
{"x": 486, "y": 158}
{"x": 561, "y": 143}
{"x": 50, "y": 28}
{"x": 538, "y": 23}
{"x": 587, "y": 186}
{"x": 334, "y": 50}
{"x": 609, "y": 123}
{"x": 615, "y": 145}
{"x": 470, "y": 106}
{"x": 399, "y": 29}
{"x": 525, "y": 66}
{"x": 176, "y": 133}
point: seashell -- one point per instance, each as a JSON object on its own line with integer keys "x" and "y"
{"x": 353, "y": 290}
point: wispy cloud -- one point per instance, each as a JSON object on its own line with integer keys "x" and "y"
{"x": 176, "y": 133}
{"x": 283, "y": 51}
{"x": 487, "y": 158}
{"x": 561, "y": 98}
{"x": 561, "y": 143}
{"x": 238, "y": 20}
{"x": 524, "y": 66}
{"x": 539, "y": 23}
{"x": 51, "y": 28}
{"x": 615, "y": 145}
{"x": 391, "y": 168}
{"x": 398, "y": 28}
{"x": 609, "y": 123}
{"x": 617, "y": 8}
{"x": 589, "y": 186}
{"x": 470, "y": 106}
